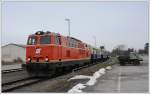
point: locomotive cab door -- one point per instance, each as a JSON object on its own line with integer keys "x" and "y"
{"x": 58, "y": 42}
{"x": 60, "y": 48}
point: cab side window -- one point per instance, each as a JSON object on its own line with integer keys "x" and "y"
{"x": 45, "y": 40}
{"x": 70, "y": 42}
{"x": 32, "y": 40}
{"x": 57, "y": 40}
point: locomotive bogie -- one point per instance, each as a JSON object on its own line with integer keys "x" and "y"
{"x": 50, "y": 68}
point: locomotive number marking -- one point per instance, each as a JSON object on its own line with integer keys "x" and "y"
{"x": 38, "y": 51}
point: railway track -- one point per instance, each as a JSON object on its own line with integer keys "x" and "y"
{"x": 12, "y": 70}
{"x": 9, "y": 86}
{"x": 13, "y": 85}
{"x": 19, "y": 83}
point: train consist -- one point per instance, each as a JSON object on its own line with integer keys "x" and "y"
{"x": 48, "y": 52}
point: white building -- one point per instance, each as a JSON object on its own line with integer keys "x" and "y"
{"x": 13, "y": 52}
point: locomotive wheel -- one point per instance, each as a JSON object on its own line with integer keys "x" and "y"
{"x": 41, "y": 73}
{"x": 64, "y": 69}
{"x": 67, "y": 69}
{"x": 59, "y": 70}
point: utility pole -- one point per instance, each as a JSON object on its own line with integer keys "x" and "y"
{"x": 68, "y": 20}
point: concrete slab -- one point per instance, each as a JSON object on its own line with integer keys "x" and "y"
{"x": 123, "y": 79}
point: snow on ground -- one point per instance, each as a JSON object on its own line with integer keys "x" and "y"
{"x": 91, "y": 82}
{"x": 77, "y": 88}
{"x": 108, "y": 68}
{"x": 80, "y": 77}
{"x": 101, "y": 71}
{"x": 96, "y": 75}
{"x": 93, "y": 79}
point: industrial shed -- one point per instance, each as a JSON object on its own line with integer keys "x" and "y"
{"x": 14, "y": 53}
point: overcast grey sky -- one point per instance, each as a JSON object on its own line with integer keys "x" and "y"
{"x": 112, "y": 23}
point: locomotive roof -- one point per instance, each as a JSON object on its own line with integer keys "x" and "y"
{"x": 48, "y": 33}
{"x": 44, "y": 33}
{"x": 74, "y": 38}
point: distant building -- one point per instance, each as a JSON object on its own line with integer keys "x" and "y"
{"x": 131, "y": 50}
{"x": 13, "y": 53}
{"x": 146, "y": 48}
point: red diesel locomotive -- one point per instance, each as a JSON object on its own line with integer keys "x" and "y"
{"x": 46, "y": 52}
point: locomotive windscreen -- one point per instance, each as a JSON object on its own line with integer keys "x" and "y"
{"x": 32, "y": 40}
{"x": 45, "y": 40}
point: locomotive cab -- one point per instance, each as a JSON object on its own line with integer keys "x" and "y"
{"x": 37, "y": 44}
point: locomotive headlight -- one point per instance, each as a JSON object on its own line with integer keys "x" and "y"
{"x": 46, "y": 59}
{"x": 29, "y": 59}
{"x": 39, "y": 32}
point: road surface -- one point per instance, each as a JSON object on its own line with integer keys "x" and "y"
{"x": 123, "y": 79}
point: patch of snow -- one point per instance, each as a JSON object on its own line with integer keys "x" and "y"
{"x": 80, "y": 77}
{"x": 74, "y": 91}
{"x": 81, "y": 86}
{"x": 96, "y": 75}
{"x": 101, "y": 71}
{"x": 91, "y": 82}
{"x": 108, "y": 68}
{"x": 77, "y": 88}
{"x": 93, "y": 79}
